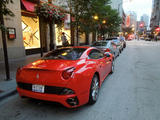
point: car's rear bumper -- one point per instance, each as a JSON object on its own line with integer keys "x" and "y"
{"x": 62, "y": 99}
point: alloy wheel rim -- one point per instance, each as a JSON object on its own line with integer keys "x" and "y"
{"x": 95, "y": 89}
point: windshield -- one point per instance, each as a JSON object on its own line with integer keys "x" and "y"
{"x": 65, "y": 53}
{"x": 100, "y": 44}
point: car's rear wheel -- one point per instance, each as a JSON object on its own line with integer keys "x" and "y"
{"x": 94, "y": 90}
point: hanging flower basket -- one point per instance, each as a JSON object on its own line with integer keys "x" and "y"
{"x": 50, "y": 13}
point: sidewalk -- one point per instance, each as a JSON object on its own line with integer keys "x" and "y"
{"x": 8, "y": 88}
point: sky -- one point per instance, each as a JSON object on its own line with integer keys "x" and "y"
{"x": 139, "y": 6}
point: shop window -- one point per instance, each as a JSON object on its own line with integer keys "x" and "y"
{"x": 58, "y": 34}
{"x": 30, "y": 28}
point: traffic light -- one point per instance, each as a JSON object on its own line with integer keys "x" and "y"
{"x": 141, "y": 25}
{"x": 158, "y": 29}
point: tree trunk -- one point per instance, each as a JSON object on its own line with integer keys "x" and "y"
{"x": 93, "y": 36}
{"x": 77, "y": 34}
{"x": 51, "y": 36}
{"x": 87, "y": 38}
{"x": 40, "y": 31}
{"x": 4, "y": 46}
{"x": 41, "y": 42}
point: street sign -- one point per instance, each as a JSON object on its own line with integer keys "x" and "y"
{"x": 11, "y": 33}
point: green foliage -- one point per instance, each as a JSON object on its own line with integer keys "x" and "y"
{"x": 50, "y": 13}
{"x": 84, "y": 10}
{"x": 3, "y": 28}
{"x": 5, "y": 11}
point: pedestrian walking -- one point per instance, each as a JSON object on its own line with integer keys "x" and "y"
{"x": 64, "y": 40}
{"x": 121, "y": 38}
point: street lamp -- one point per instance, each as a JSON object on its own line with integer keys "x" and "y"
{"x": 104, "y": 21}
{"x": 96, "y": 17}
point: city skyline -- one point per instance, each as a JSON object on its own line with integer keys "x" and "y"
{"x": 140, "y": 7}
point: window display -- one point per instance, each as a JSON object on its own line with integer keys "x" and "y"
{"x": 30, "y": 27}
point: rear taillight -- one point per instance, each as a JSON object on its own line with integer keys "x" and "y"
{"x": 68, "y": 73}
{"x": 107, "y": 50}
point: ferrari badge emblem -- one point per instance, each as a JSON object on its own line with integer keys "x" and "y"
{"x": 37, "y": 76}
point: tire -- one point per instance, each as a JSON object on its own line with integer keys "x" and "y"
{"x": 112, "y": 69}
{"x": 118, "y": 54}
{"x": 94, "y": 90}
{"x": 113, "y": 58}
{"x": 114, "y": 55}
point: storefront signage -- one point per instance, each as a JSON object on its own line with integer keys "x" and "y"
{"x": 11, "y": 33}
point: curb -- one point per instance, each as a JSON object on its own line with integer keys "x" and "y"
{"x": 7, "y": 94}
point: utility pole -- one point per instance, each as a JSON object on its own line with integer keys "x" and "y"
{"x": 4, "y": 45}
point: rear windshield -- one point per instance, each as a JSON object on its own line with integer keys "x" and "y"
{"x": 100, "y": 44}
{"x": 65, "y": 53}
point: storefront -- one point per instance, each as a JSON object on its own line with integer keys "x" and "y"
{"x": 32, "y": 36}
{"x": 30, "y": 27}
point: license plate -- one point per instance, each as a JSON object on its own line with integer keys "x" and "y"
{"x": 38, "y": 88}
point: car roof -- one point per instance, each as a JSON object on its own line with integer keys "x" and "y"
{"x": 76, "y": 47}
{"x": 111, "y": 38}
{"x": 101, "y": 41}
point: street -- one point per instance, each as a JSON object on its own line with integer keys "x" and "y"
{"x": 132, "y": 92}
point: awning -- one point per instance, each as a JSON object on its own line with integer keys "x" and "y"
{"x": 28, "y": 5}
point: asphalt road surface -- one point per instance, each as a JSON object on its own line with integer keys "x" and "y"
{"x": 132, "y": 92}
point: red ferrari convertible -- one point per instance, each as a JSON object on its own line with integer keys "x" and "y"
{"x": 71, "y": 76}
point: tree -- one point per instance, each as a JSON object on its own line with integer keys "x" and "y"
{"x": 112, "y": 21}
{"x": 7, "y": 12}
{"x": 84, "y": 10}
{"x": 79, "y": 9}
{"x": 50, "y": 15}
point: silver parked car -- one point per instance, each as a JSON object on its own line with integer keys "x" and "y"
{"x": 107, "y": 46}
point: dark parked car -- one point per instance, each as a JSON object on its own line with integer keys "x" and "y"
{"x": 108, "y": 39}
{"x": 107, "y": 46}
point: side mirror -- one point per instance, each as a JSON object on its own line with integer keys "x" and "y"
{"x": 107, "y": 54}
